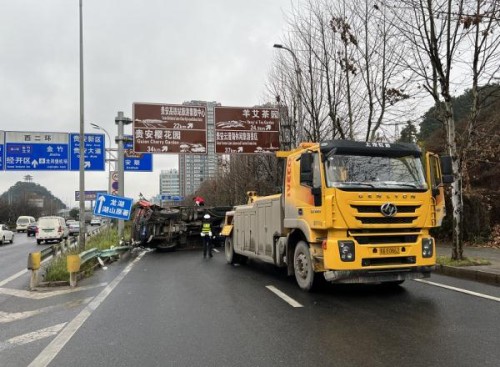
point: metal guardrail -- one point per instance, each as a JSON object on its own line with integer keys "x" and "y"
{"x": 88, "y": 255}
{"x": 35, "y": 258}
{"x": 74, "y": 262}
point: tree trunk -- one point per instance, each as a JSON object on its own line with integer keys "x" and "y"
{"x": 456, "y": 187}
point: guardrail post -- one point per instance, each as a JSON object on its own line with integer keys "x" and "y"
{"x": 64, "y": 245}
{"x": 34, "y": 260}
{"x": 73, "y": 266}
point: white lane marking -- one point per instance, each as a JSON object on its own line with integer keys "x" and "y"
{"x": 459, "y": 290}
{"x": 58, "y": 343}
{"x": 283, "y": 296}
{"x": 6, "y": 317}
{"x": 20, "y": 273}
{"x": 46, "y": 294}
{"x": 11, "y": 278}
{"x": 31, "y": 337}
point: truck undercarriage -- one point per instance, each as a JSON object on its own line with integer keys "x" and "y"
{"x": 173, "y": 227}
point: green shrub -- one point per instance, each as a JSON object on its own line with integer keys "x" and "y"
{"x": 56, "y": 270}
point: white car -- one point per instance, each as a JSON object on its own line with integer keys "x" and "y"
{"x": 6, "y": 235}
{"x": 23, "y": 222}
{"x": 51, "y": 228}
{"x": 95, "y": 222}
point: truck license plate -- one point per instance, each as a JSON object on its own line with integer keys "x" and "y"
{"x": 389, "y": 251}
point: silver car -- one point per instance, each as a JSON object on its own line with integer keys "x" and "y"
{"x": 6, "y": 235}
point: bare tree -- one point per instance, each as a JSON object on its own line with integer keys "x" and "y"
{"x": 444, "y": 36}
{"x": 481, "y": 19}
{"x": 352, "y": 72}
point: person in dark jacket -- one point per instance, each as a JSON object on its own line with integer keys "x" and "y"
{"x": 206, "y": 234}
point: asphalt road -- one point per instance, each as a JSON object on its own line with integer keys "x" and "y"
{"x": 177, "y": 309}
{"x": 14, "y": 257}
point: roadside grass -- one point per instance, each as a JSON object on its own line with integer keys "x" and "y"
{"x": 444, "y": 260}
{"x": 56, "y": 270}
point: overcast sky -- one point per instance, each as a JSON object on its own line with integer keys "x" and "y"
{"x": 158, "y": 51}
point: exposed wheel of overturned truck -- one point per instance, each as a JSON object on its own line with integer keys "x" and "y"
{"x": 302, "y": 266}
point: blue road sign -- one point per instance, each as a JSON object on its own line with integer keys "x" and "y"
{"x": 166, "y": 197}
{"x": 139, "y": 162}
{"x": 94, "y": 152}
{"x": 111, "y": 206}
{"x": 2, "y": 141}
{"x": 89, "y": 195}
{"x": 36, "y": 151}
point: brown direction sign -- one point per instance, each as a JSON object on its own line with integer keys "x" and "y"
{"x": 168, "y": 128}
{"x": 246, "y": 130}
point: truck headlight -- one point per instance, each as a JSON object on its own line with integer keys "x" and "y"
{"x": 346, "y": 250}
{"x": 427, "y": 247}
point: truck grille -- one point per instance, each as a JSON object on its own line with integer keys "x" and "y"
{"x": 386, "y": 220}
{"x": 376, "y": 208}
{"x": 388, "y": 239}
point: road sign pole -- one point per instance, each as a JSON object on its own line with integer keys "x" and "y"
{"x": 82, "y": 138}
{"x": 121, "y": 120}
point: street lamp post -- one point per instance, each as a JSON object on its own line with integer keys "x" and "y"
{"x": 298, "y": 91}
{"x": 111, "y": 157}
{"x": 121, "y": 121}
{"x": 81, "y": 237}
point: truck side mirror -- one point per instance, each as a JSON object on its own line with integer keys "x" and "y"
{"x": 316, "y": 191}
{"x": 446, "y": 169}
{"x": 306, "y": 168}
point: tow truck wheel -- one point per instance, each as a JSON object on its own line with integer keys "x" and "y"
{"x": 229, "y": 251}
{"x": 302, "y": 265}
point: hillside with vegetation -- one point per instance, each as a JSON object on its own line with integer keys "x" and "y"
{"x": 28, "y": 198}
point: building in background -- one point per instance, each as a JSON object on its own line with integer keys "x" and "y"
{"x": 196, "y": 168}
{"x": 169, "y": 182}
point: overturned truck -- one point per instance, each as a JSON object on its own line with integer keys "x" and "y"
{"x": 174, "y": 227}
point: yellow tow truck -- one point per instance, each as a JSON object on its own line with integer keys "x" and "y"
{"x": 350, "y": 212}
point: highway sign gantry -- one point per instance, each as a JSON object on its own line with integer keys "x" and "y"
{"x": 241, "y": 130}
{"x": 36, "y": 151}
{"x": 167, "y": 128}
{"x": 138, "y": 162}
{"x": 94, "y": 152}
{"x": 89, "y": 195}
{"x": 49, "y": 151}
{"x": 2, "y": 144}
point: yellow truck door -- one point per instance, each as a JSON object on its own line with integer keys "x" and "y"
{"x": 435, "y": 182}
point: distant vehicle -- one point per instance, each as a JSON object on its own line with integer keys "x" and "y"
{"x": 51, "y": 228}
{"x": 22, "y": 223}
{"x": 31, "y": 230}
{"x": 95, "y": 222}
{"x": 6, "y": 235}
{"x": 74, "y": 228}
{"x": 70, "y": 221}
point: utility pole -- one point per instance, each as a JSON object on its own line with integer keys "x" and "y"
{"x": 81, "y": 237}
{"x": 121, "y": 120}
{"x": 298, "y": 92}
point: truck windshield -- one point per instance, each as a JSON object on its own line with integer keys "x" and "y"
{"x": 373, "y": 172}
